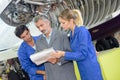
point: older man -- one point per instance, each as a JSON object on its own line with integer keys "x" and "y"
{"x": 61, "y": 70}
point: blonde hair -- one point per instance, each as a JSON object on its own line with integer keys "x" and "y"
{"x": 74, "y": 14}
{"x": 78, "y": 20}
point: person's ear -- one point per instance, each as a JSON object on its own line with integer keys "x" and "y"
{"x": 71, "y": 21}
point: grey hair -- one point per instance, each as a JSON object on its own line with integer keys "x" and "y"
{"x": 40, "y": 17}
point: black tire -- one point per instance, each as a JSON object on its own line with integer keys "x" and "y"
{"x": 102, "y": 45}
{"x": 99, "y": 47}
{"x": 112, "y": 41}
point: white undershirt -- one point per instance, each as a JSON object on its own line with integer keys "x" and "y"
{"x": 34, "y": 47}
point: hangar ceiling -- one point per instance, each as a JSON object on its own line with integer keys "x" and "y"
{"x": 17, "y": 12}
{"x": 93, "y": 12}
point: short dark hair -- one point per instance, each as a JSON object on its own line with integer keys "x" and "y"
{"x": 20, "y": 29}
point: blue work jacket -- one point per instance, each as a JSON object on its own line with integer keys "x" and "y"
{"x": 83, "y": 52}
{"x": 24, "y": 53}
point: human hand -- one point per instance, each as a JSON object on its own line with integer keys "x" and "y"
{"x": 58, "y": 54}
{"x": 41, "y": 72}
{"x": 53, "y": 60}
{"x": 97, "y": 53}
{"x": 44, "y": 76}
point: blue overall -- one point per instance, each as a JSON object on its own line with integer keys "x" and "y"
{"x": 24, "y": 53}
{"x": 83, "y": 52}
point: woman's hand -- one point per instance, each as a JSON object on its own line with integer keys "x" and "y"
{"x": 58, "y": 54}
{"x": 97, "y": 53}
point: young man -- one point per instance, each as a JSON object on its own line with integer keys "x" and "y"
{"x": 25, "y": 50}
{"x": 61, "y": 70}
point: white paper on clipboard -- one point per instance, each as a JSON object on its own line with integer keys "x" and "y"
{"x": 42, "y": 56}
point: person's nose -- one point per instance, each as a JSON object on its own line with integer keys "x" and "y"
{"x": 61, "y": 25}
{"x": 40, "y": 28}
{"x": 27, "y": 37}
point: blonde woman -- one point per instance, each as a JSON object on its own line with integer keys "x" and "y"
{"x": 83, "y": 51}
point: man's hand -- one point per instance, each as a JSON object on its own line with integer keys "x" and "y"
{"x": 41, "y": 72}
{"x": 53, "y": 60}
{"x": 44, "y": 76}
